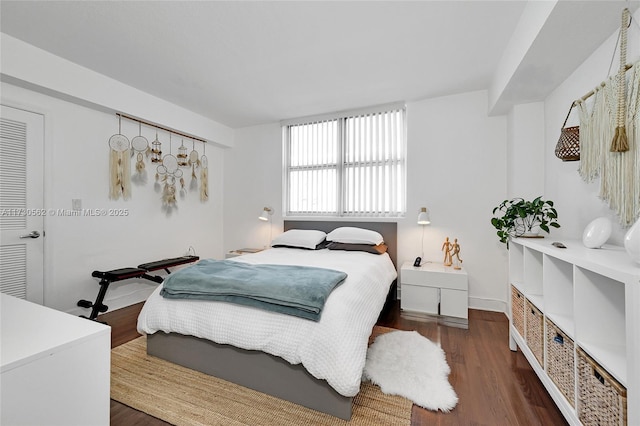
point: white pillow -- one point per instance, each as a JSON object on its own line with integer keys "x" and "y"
{"x": 302, "y": 238}
{"x": 352, "y": 235}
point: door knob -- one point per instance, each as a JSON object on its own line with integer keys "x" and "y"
{"x": 32, "y": 234}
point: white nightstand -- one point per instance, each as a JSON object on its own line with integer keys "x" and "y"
{"x": 435, "y": 289}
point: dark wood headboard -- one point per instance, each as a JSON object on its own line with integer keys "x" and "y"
{"x": 388, "y": 230}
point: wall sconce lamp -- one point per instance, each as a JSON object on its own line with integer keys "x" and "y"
{"x": 423, "y": 217}
{"x": 423, "y": 220}
{"x": 265, "y": 216}
{"x": 267, "y": 212}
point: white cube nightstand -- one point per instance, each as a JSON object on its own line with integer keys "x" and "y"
{"x": 433, "y": 288}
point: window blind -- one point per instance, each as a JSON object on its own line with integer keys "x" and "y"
{"x": 352, "y": 165}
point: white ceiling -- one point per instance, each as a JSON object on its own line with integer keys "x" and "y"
{"x": 244, "y": 63}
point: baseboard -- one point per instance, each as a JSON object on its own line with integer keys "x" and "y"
{"x": 481, "y": 303}
{"x": 485, "y": 304}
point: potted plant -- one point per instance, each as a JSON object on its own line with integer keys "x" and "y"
{"x": 520, "y": 218}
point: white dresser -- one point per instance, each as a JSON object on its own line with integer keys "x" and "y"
{"x": 433, "y": 288}
{"x": 55, "y": 367}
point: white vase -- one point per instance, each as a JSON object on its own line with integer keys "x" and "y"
{"x": 597, "y": 232}
{"x": 632, "y": 241}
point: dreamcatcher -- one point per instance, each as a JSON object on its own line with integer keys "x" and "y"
{"x": 140, "y": 145}
{"x": 194, "y": 161}
{"x": 168, "y": 172}
{"x": 182, "y": 155}
{"x": 204, "y": 175}
{"x": 156, "y": 150}
{"x": 119, "y": 165}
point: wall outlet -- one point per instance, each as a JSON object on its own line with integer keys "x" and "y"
{"x": 76, "y": 204}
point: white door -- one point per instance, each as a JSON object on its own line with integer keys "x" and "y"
{"x": 22, "y": 204}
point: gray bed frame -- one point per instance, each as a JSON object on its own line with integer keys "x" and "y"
{"x": 258, "y": 370}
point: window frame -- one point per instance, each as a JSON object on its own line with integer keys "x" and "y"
{"x": 341, "y": 166}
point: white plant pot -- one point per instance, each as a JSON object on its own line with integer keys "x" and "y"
{"x": 523, "y": 231}
{"x": 632, "y": 241}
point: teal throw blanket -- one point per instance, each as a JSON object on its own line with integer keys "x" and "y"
{"x": 293, "y": 290}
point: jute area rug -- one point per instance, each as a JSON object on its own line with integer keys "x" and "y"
{"x": 182, "y": 396}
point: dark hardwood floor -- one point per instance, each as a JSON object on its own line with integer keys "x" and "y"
{"x": 494, "y": 385}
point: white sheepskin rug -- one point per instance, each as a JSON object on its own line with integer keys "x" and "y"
{"x": 407, "y": 364}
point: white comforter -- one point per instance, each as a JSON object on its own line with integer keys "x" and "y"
{"x": 333, "y": 349}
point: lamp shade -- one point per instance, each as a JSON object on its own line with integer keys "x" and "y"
{"x": 266, "y": 212}
{"x": 423, "y": 217}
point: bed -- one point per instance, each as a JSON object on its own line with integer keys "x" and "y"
{"x": 291, "y": 358}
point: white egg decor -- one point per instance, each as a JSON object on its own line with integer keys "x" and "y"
{"x": 597, "y": 232}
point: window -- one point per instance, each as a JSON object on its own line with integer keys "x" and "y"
{"x": 348, "y": 165}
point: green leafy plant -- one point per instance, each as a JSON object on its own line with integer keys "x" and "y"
{"x": 518, "y": 217}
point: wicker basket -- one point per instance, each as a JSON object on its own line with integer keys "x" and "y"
{"x": 568, "y": 146}
{"x": 561, "y": 361}
{"x": 517, "y": 310}
{"x": 602, "y": 400}
{"x": 535, "y": 331}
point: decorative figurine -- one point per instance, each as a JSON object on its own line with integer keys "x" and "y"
{"x": 446, "y": 247}
{"x": 456, "y": 253}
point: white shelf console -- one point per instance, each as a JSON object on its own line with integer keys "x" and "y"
{"x": 55, "y": 367}
{"x": 593, "y": 297}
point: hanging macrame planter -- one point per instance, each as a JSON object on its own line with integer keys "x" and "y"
{"x": 620, "y": 142}
{"x": 568, "y": 146}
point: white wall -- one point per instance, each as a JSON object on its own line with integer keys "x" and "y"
{"x": 456, "y": 167}
{"x": 577, "y": 201}
{"x": 252, "y": 181}
{"x": 525, "y": 151}
{"x": 77, "y": 167}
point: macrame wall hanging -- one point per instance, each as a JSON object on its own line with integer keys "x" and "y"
{"x": 168, "y": 171}
{"x": 620, "y": 143}
{"x": 119, "y": 166}
{"x": 610, "y": 136}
